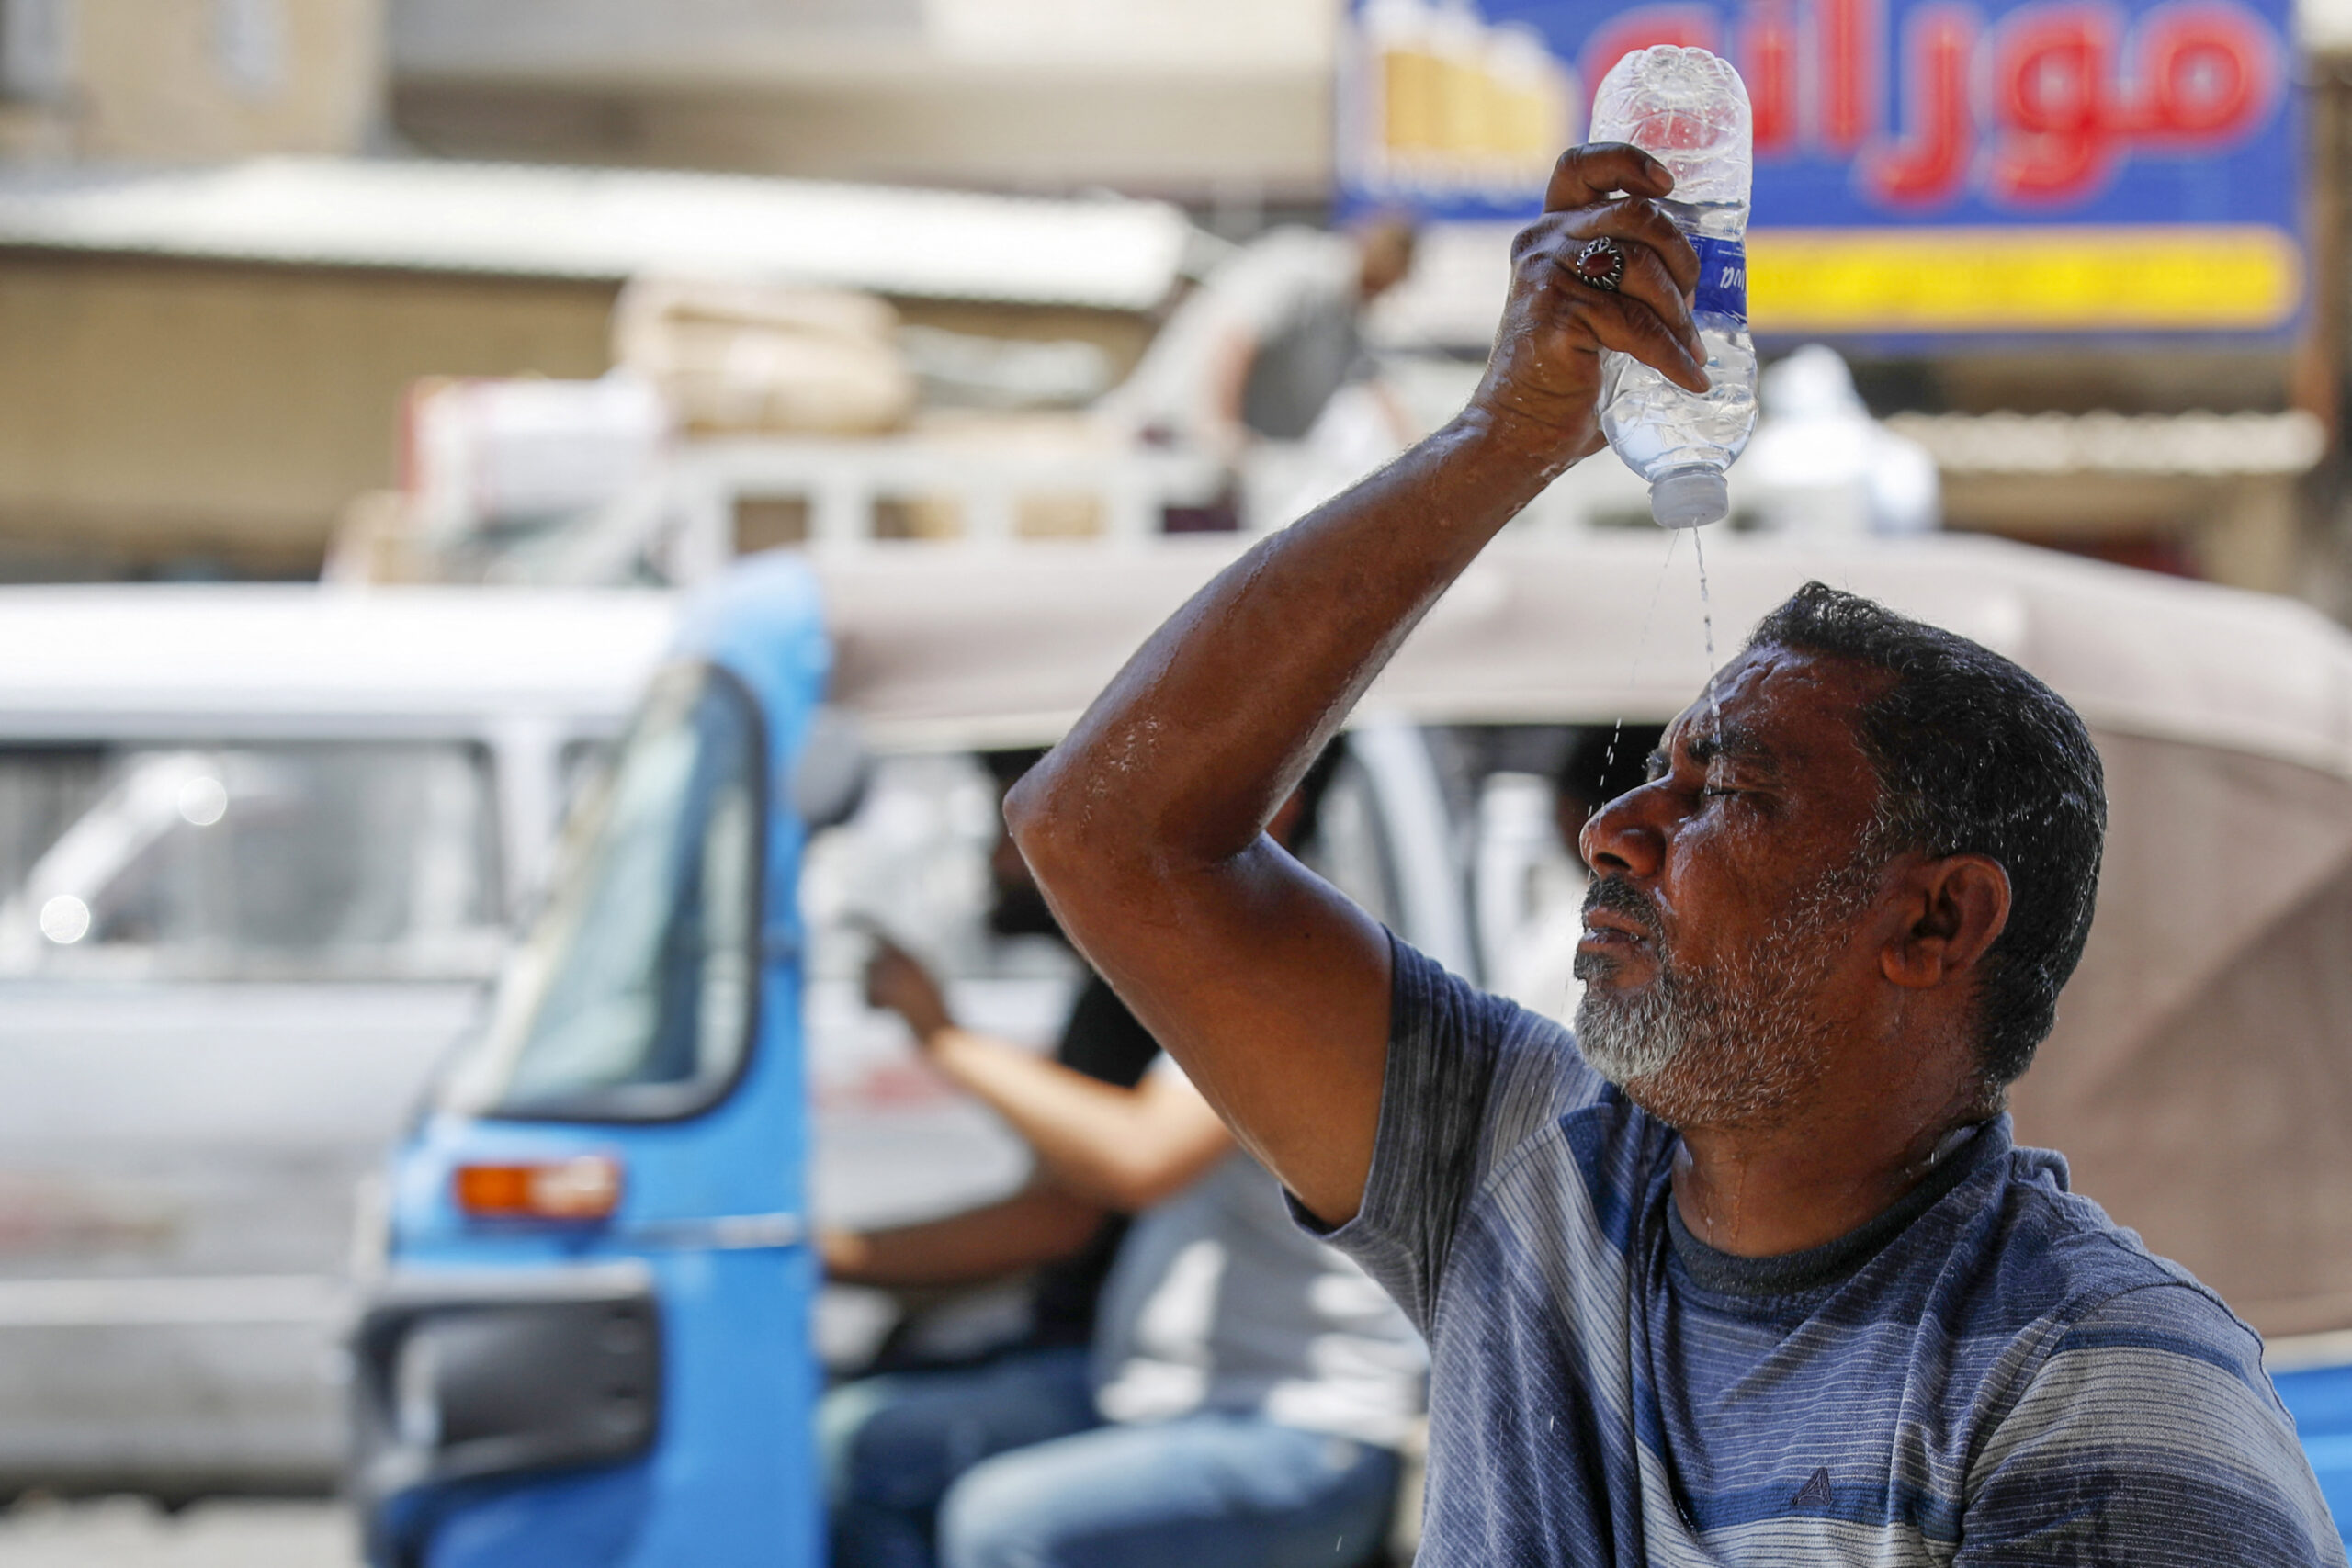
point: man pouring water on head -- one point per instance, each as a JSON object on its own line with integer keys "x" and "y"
{"x": 1747, "y": 1269}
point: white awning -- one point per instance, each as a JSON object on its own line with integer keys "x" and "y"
{"x": 521, "y": 220}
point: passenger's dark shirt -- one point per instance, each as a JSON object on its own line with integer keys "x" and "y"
{"x": 1103, "y": 1040}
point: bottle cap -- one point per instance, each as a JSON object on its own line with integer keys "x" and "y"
{"x": 1690, "y": 499}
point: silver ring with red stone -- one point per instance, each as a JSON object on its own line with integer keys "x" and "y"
{"x": 1601, "y": 263}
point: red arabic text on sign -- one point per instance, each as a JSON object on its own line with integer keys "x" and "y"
{"x": 2070, "y": 88}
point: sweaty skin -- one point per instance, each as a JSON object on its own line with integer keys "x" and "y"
{"x": 1144, "y": 828}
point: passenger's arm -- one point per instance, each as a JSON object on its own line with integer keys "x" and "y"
{"x": 1145, "y": 827}
{"x": 1042, "y": 1224}
{"x": 1122, "y": 1148}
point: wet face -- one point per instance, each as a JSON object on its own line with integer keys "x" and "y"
{"x": 1729, "y": 937}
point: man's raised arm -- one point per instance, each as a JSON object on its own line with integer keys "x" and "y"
{"x": 1146, "y": 827}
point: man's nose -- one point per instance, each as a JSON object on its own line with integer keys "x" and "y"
{"x": 1625, "y": 838}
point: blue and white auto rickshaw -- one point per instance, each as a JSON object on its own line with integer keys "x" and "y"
{"x": 590, "y": 1341}
{"x": 590, "y": 1344}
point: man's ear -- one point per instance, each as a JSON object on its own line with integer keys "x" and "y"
{"x": 1954, "y": 910}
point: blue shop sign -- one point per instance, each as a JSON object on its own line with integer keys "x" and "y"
{"x": 1922, "y": 167}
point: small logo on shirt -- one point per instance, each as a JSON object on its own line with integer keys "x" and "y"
{"x": 1815, "y": 1493}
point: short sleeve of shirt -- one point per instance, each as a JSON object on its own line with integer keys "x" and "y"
{"x": 1469, "y": 1076}
{"x": 2148, "y": 1435}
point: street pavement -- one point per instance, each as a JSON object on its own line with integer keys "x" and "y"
{"x": 128, "y": 1533}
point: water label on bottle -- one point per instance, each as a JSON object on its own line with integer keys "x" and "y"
{"x": 1723, "y": 278}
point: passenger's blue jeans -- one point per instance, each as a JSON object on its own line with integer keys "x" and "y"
{"x": 1007, "y": 1466}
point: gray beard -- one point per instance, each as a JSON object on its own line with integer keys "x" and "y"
{"x": 1731, "y": 1047}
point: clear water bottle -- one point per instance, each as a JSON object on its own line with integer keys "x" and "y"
{"x": 1689, "y": 110}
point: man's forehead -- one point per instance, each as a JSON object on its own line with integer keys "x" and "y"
{"x": 1778, "y": 706}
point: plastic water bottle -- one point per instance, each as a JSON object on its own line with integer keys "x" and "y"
{"x": 1689, "y": 110}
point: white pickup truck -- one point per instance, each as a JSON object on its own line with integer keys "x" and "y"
{"x": 260, "y": 847}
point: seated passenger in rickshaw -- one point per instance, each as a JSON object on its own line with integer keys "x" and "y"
{"x": 1243, "y": 1390}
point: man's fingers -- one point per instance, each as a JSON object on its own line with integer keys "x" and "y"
{"x": 1587, "y": 174}
{"x": 1631, "y": 327}
{"x": 1649, "y": 276}
{"x": 1647, "y": 281}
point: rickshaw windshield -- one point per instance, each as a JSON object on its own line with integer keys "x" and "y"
{"x": 632, "y": 999}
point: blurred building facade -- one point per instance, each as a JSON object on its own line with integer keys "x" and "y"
{"x": 205, "y": 367}
{"x": 180, "y": 81}
{"x": 1199, "y": 100}
{"x": 194, "y": 389}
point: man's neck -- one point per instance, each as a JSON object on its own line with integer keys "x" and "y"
{"x": 1804, "y": 1181}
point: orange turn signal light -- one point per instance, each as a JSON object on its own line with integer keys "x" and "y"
{"x": 586, "y": 1187}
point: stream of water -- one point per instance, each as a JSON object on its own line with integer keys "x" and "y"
{"x": 1707, "y": 623}
{"x": 1673, "y": 537}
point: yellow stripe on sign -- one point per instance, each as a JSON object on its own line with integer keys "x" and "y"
{"x": 2233, "y": 279}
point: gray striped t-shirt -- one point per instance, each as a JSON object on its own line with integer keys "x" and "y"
{"x": 1994, "y": 1374}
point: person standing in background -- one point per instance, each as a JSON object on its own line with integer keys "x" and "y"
{"x": 1260, "y": 346}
